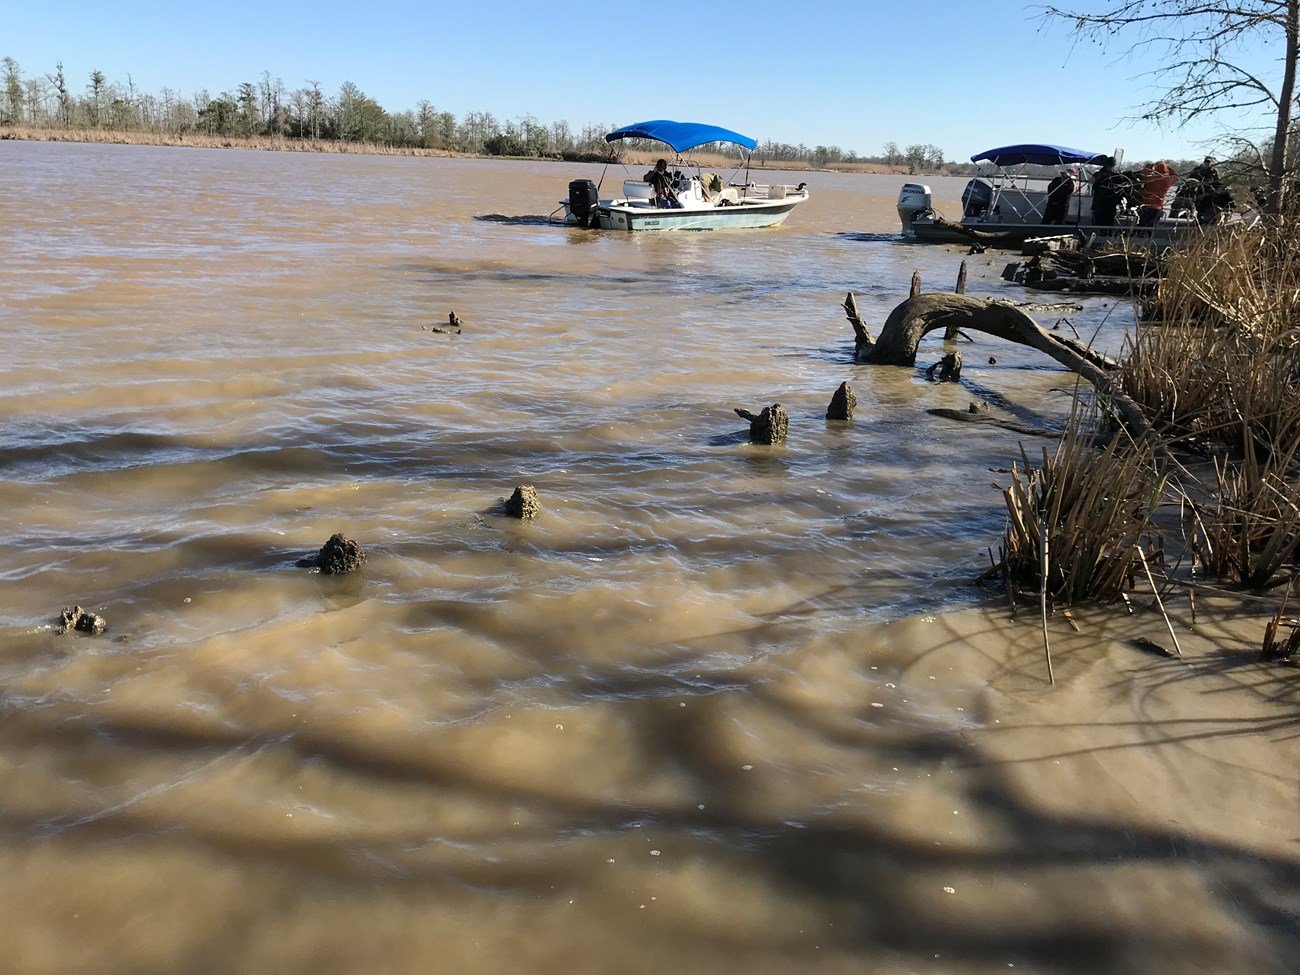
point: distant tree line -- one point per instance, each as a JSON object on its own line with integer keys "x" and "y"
{"x": 267, "y": 108}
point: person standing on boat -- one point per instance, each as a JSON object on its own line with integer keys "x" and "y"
{"x": 1059, "y": 191}
{"x": 1105, "y": 196}
{"x": 662, "y": 182}
{"x": 1205, "y": 174}
{"x": 1209, "y": 196}
{"x": 1157, "y": 180}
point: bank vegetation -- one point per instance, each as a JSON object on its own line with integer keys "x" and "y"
{"x": 1206, "y": 491}
{"x": 266, "y": 115}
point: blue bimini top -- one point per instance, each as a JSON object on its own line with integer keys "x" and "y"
{"x": 680, "y": 136}
{"x": 1038, "y": 155}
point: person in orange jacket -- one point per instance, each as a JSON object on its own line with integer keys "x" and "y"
{"x": 1157, "y": 179}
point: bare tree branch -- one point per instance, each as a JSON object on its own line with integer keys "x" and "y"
{"x": 1200, "y": 46}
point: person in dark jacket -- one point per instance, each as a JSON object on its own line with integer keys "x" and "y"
{"x": 1209, "y": 196}
{"x": 1204, "y": 174}
{"x": 1105, "y": 196}
{"x": 662, "y": 181}
{"x": 1059, "y": 191}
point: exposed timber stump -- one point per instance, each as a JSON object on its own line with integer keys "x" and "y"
{"x": 768, "y": 427}
{"x": 842, "y": 403}
{"x": 523, "y": 503}
{"x": 339, "y": 556}
{"x": 948, "y": 368}
{"x": 78, "y": 619}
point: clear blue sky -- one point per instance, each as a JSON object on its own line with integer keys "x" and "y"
{"x": 961, "y": 75}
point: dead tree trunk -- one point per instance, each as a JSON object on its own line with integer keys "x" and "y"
{"x": 908, "y": 323}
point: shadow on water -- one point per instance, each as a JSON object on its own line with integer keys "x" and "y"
{"x": 867, "y": 882}
{"x": 527, "y": 220}
{"x": 875, "y": 238}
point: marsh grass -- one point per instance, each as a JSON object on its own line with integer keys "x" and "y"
{"x": 1094, "y": 509}
{"x": 1218, "y": 372}
{"x": 1215, "y": 366}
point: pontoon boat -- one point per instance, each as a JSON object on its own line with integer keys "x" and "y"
{"x": 1006, "y": 202}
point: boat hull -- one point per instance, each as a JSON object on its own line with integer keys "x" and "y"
{"x": 932, "y": 231}
{"x": 746, "y": 216}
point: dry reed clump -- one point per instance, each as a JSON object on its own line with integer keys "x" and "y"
{"x": 1217, "y": 373}
{"x": 202, "y": 140}
{"x": 1077, "y": 523}
{"x": 1225, "y": 348}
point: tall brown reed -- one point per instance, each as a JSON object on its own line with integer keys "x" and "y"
{"x": 1093, "y": 506}
{"x": 1216, "y": 366}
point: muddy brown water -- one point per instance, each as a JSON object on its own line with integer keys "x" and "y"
{"x": 719, "y": 708}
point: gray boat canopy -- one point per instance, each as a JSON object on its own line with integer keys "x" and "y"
{"x": 680, "y": 136}
{"x": 1036, "y": 155}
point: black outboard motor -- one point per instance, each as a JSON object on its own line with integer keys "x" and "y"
{"x": 583, "y": 202}
{"x": 976, "y": 198}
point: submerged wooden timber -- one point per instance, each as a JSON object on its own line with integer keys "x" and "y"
{"x": 1125, "y": 273}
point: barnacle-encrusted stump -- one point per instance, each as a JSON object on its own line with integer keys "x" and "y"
{"x": 339, "y": 555}
{"x": 768, "y": 427}
{"x": 524, "y": 503}
{"x": 78, "y": 619}
{"x": 842, "y": 403}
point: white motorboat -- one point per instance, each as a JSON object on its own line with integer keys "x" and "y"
{"x": 1006, "y": 203}
{"x": 698, "y": 200}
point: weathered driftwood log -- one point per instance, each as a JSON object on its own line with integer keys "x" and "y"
{"x": 952, "y": 332}
{"x": 1010, "y": 238}
{"x": 979, "y": 413}
{"x": 524, "y": 503}
{"x": 1132, "y": 264}
{"x": 861, "y": 337}
{"x": 768, "y": 427}
{"x": 78, "y": 619}
{"x": 908, "y": 323}
{"x": 1097, "y": 285}
{"x": 453, "y": 326}
{"x": 842, "y": 403}
{"x": 912, "y": 320}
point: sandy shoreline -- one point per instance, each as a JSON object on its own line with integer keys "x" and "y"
{"x": 1156, "y": 796}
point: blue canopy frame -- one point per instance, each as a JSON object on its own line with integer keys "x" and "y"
{"x": 680, "y": 136}
{"x": 1035, "y": 154}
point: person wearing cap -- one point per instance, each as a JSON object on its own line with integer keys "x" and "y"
{"x": 1209, "y": 196}
{"x": 662, "y": 181}
{"x": 1205, "y": 172}
{"x": 1158, "y": 179}
{"x": 1059, "y": 191}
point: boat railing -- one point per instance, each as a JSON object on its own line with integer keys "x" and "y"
{"x": 1027, "y": 204}
{"x": 769, "y": 191}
